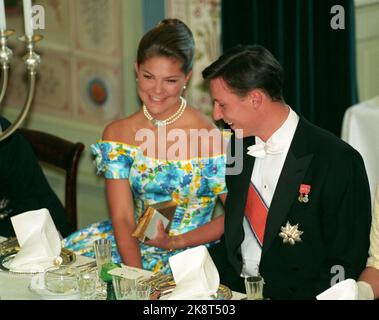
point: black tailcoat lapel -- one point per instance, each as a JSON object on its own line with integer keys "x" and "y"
{"x": 235, "y": 205}
{"x": 287, "y": 189}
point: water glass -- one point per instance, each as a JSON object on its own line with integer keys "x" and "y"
{"x": 124, "y": 287}
{"x": 87, "y": 281}
{"x": 254, "y": 287}
{"x": 142, "y": 292}
{"x": 103, "y": 252}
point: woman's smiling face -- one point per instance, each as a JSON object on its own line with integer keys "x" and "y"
{"x": 160, "y": 85}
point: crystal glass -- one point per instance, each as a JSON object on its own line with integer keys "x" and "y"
{"x": 254, "y": 287}
{"x": 87, "y": 284}
{"x": 124, "y": 287}
{"x": 103, "y": 252}
{"x": 62, "y": 280}
{"x": 142, "y": 292}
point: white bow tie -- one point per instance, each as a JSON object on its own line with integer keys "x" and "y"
{"x": 260, "y": 150}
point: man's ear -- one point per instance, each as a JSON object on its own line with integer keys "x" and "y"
{"x": 255, "y": 97}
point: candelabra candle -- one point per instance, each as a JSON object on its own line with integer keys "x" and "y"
{"x": 3, "y": 24}
{"x": 27, "y": 5}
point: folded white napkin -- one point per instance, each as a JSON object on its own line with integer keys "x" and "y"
{"x": 195, "y": 275}
{"x": 343, "y": 290}
{"x": 39, "y": 241}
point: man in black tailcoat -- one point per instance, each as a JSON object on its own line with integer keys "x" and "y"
{"x": 299, "y": 210}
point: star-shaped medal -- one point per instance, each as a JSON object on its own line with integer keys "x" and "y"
{"x": 290, "y": 234}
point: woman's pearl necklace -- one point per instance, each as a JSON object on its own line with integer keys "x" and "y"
{"x": 169, "y": 120}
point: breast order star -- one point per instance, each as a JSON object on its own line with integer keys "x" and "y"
{"x": 290, "y": 234}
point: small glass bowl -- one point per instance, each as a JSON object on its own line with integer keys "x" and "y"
{"x": 62, "y": 280}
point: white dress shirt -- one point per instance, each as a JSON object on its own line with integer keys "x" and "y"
{"x": 265, "y": 177}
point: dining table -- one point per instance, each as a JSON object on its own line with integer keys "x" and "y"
{"x": 17, "y": 286}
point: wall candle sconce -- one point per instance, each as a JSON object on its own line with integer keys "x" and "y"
{"x": 31, "y": 60}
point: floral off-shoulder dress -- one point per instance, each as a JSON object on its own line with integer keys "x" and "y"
{"x": 194, "y": 184}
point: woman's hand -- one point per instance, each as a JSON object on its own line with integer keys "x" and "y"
{"x": 162, "y": 239}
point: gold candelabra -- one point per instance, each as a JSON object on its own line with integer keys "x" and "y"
{"x": 31, "y": 60}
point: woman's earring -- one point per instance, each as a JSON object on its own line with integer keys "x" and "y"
{"x": 184, "y": 87}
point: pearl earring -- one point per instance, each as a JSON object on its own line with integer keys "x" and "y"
{"x": 184, "y": 87}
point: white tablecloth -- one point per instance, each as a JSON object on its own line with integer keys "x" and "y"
{"x": 16, "y": 286}
{"x": 360, "y": 129}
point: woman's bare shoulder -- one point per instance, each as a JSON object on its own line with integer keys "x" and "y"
{"x": 122, "y": 130}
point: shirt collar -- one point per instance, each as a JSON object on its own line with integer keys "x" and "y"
{"x": 284, "y": 134}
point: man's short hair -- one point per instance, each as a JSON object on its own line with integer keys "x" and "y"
{"x": 248, "y": 67}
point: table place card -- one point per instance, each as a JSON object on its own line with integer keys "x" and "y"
{"x": 131, "y": 273}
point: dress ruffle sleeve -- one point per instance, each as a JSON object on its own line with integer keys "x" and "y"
{"x": 113, "y": 159}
